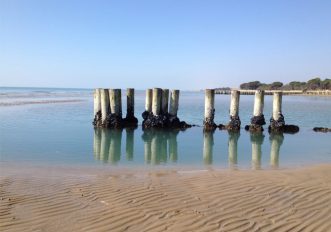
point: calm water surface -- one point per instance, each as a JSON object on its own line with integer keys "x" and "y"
{"x": 62, "y": 133}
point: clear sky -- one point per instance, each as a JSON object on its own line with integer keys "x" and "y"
{"x": 184, "y": 44}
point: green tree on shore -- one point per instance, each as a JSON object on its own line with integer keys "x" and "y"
{"x": 312, "y": 84}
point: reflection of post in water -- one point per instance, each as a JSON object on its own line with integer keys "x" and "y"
{"x": 104, "y": 145}
{"x": 173, "y": 146}
{"x": 156, "y": 147}
{"x": 256, "y": 140}
{"x": 129, "y": 148}
{"x": 276, "y": 140}
{"x": 115, "y": 136}
{"x": 147, "y": 138}
{"x": 159, "y": 144}
{"x": 164, "y": 146}
{"x": 208, "y": 143}
{"x": 97, "y": 143}
{"x": 233, "y": 148}
{"x": 107, "y": 144}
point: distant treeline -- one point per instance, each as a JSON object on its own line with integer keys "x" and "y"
{"x": 313, "y": 84}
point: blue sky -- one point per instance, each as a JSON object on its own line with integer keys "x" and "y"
{"x": 174, "y": 44}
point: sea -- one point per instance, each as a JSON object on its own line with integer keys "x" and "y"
{"x": 53, "y": 126}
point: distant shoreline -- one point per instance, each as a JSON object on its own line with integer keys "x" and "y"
{"x": 285, "y": 92}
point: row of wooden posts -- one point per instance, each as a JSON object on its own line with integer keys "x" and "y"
{"x": 108, "y": 102}
{"x": 234, "y": 109}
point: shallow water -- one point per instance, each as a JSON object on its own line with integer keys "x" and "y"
{"x": 62, "y": 133}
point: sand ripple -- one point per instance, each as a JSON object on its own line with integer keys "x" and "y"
{"x": 135, "y": 200}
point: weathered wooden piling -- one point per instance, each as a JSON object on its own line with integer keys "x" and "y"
{"x": 234, "y": 124}
{"x": 208, "y": 145}
{"x": 115, "y": 96}
{"x": 97, "y": 120}
{"x": 165, "y": 101}
{"x": 148, "y": 103}
{"x": 161, "y": 116}
{"x": 104, "y": 105}
{"x": 208, "y": 122}
{"x": 174, "y": 101}
{"x": 234, "y": 104}
{"x": 277, "y": 106}
{"x": 277, "y": 122}
{"x": 257, "y": 121}
{"x": 157, "y": 101}
{"x": 129, "y": 102}
{"x": 130, "y": 119}
{"x": 114, "y": 119}
{"x": 97, "y": 101}
{"x": 148, "y": 108}
{"x": 258, "y": 103}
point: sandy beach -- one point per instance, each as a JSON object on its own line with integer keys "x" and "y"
{"x": 121, "y": 199}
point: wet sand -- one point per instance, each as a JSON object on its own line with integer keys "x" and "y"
{"x": 121, "y": 199}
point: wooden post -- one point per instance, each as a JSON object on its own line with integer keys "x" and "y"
{"x": 97, "y": 101}
{"x": 112, "y": 101}
{"x": 157, "y": 101}
{"x": 234, "y": 105}
{"x": 174, "y": 101}
{"x": 165, "y": 101}
{"x": 104, "y": 104}
{"x": 149, "y": 96}
{"x": 234, "y": 123}
{"x": 258, "y": 103}
{"x": 257, "y": 121}
{"x": 209, "y": 107}
{"x": 277, "y": 106}
{"x": 115, "y": 102}
{"x": 129, "y": 103}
